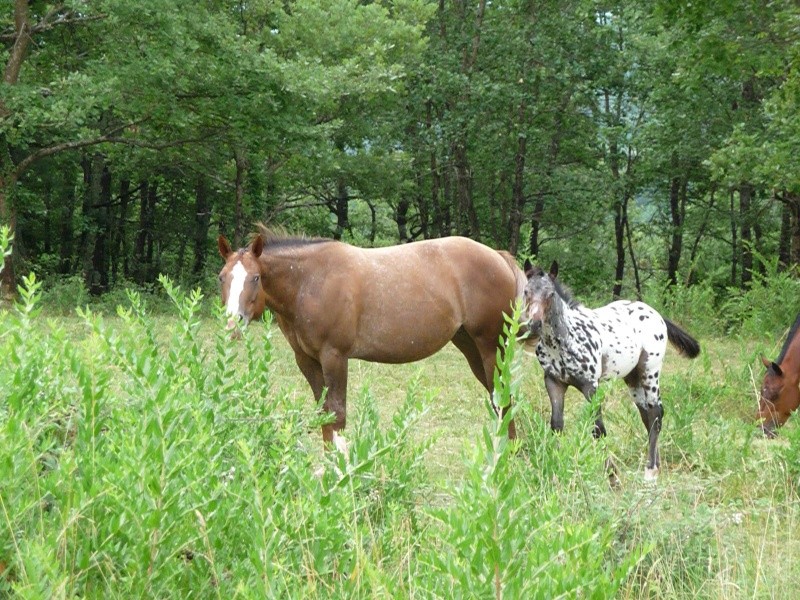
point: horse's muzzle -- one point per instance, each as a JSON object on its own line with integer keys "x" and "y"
{"x": 233, "y": 326}
{"x": 768, "y": 429}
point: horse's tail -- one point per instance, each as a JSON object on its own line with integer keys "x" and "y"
{"x": 683, "y": 342}
{"x": 519, "y": 275}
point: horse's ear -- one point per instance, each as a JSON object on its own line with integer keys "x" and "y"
{"x": 224, "y": 247}
{"x": 528, "y": 267}
{"x": 778, "y": 371}
{"x": 554, "y": 269}
{"x": 765, "y": 362}
{"x": 258, "y": 246}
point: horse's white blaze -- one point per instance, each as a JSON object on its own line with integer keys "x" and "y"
{"x": 239, "y": 274}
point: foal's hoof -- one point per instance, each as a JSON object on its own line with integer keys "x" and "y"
{"x": 651, "y": 474}
{"x": 613, "y": 474}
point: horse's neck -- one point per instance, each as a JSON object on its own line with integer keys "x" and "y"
{"x": 283, "y": 272}
{"x": 558, "y": 321}
{"x": 790, "y": 365}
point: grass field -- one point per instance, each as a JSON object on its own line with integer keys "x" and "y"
{"x": 148, "y": 456}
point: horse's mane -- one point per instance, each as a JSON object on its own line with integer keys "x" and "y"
{"x": 565, "y": 293}
{"x": 562, "y": 290}
{"x": 279, "y": 237}
{"x": 789, "y": 339}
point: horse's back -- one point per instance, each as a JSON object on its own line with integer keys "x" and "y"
{"x": 410, "y": 300}
{"x": 631, "y": 331}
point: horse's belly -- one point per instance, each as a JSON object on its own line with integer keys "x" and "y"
{"x": 414, "y": 340}
{"x": 620, "y": 362}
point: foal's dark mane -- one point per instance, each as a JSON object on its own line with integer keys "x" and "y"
{"x": 789, "y": 338}
{"x": 565, "y": 293}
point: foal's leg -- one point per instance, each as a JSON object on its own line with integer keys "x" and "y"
{"x": 645, "y": 390}
{"x": 555, "y": 391}
{"x": 588, "y": 390}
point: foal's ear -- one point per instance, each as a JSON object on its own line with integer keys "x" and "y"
{"x": 778, "y": 371}
{"x": 224, "y": 247}
{"x": 554, "y": 269}
{"x": 258, "y": 246}
{"x": 528, "y": 268}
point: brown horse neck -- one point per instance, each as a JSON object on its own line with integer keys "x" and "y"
{"x": 282, "y": 272}
{"x": 790, "y": 363}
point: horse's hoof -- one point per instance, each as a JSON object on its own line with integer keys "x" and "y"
{"x": 340, "y": 443}
{"x": 651, "y": 474}
{"x": 613, "y": 474}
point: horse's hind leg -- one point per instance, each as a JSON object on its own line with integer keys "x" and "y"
{"x": 652, "y": 417}
{"x": 645, "y": 390}
{"x": 479, "y": 359}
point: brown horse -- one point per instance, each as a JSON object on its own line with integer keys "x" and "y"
{"x": 780, "y": 395}
{"x": 334, "y": 302}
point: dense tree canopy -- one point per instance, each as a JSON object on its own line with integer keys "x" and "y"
{"x": 638, "y": 142}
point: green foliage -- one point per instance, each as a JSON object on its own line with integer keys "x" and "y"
{"x": 145, "y": 455}
{"x": 505, "y": 536}
{"x": 771, "y": 304}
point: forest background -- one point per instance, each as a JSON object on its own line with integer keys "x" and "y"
{"x": 644, "y": 144}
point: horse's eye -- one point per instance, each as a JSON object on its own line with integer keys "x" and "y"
{"x": 221, "y": 278}
{"x": 256, "y": 277}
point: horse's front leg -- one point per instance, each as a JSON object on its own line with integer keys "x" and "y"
{"x": 589, "y": 389}
{"x": 555, "y": 391}
{"x": 334, "y": 371}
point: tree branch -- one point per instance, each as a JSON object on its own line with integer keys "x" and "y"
{"x": 108, "y": 138}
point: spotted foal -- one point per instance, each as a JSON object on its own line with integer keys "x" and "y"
{"x": 579, "y": 347}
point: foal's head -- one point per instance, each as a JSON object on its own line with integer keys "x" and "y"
{"x": 240, "y": 281}
{"x": 538, "y": 297}
{"x": 779, "y": 398}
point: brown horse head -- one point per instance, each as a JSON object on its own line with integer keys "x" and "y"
{"x": 780, "y": 396}
{"x": 240, "y": 281}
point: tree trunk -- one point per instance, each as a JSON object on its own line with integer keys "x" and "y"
{"x": 468, "y": 217}
{"x": 143, "y": 250}
{"x": 92, "y": 167}
{"x": 66, "y": 234}
{"x": 690, "y": 278}
{"x": 620, "y": 223}
{"x": 401, "y": 217}
{"x": 341, "y": 209}
{"x": 518, "y": 187}
{"x": 202, "y": 223}
{"x": 118, "y": 245}
{"x": 785, "y": 240}
{"x": 794, "y": 207}
{"x": 552, "y": 161}
{"x": 436, "y": 182}
{"x": 734, "y": 244}
{"x": 241, "y": 170}
{"x": 677, "y": 211}
{"x": 101, "y": 214}
{"x": 746, "y": 237}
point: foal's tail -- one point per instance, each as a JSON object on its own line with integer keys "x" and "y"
{"x": 683, "y": 342}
